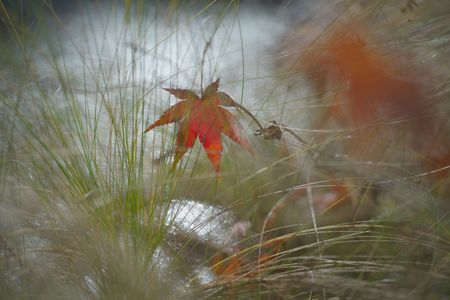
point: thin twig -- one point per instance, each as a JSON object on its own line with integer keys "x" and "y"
{"x": 249, "y": 114}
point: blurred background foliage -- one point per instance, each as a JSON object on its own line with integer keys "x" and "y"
{"x": 350, "y": 203}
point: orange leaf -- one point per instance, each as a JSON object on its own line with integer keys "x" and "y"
{"x": 376, "y": 86}
{"x": 204, "y": 118}
{"x": 211, "y": 89}
{"x": 183, "y": 94}
{"x": 220, "y": 266}
{"x": 173, "y": 114}
{"x": 225, "y": 99}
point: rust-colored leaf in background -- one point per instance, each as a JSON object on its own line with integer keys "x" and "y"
{"x": 203, "y": 117}
{"x": 377, "y": 86}
{"x": 380, "y": 90}
{"x": 222, "y": 265}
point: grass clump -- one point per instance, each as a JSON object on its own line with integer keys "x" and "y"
{"x": 339, "y": 201}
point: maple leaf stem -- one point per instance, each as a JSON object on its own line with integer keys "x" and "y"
{"x": 249, "y": 114}
{"x": 262, "y": 128}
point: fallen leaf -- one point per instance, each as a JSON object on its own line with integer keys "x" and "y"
{"x": 203, "y": 117}
{"x": 225, "y": 265}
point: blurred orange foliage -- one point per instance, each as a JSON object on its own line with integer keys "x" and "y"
{"x": 372, "y": 89}
{"x": 375, "y": 85}
{"x": 225, "y": 267}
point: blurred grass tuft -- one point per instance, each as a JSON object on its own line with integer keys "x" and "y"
{"x": 90, "y": 208}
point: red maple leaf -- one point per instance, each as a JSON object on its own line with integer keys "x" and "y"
{"x": 203, "y": 117}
